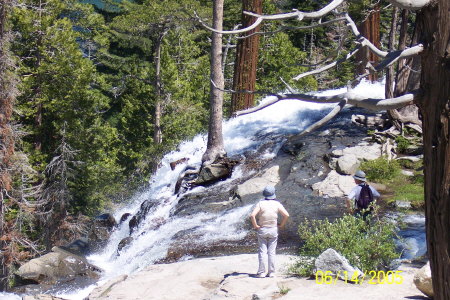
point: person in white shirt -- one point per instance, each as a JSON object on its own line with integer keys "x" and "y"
{"x": 267, "y": 211}
{"x": 353, "y": 196}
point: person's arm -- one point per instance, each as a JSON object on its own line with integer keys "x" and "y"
{"x": 351, "y": 197}
{"x": 284, "y": 214}
{"x": 253, "y": 217}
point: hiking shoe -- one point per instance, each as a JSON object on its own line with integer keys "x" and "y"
{"x": 260, "y": 275}
{"x": 271, "y": 275}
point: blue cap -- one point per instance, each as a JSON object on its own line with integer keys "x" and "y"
{"x": 269, "y": 192}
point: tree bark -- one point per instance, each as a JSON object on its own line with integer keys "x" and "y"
{"x": 246, "y": 60}
{"x": 370, "y": 29}
{"x": 434, "y": 33}
{"x": 215, "y": 148}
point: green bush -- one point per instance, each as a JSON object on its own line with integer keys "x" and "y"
{"x": 381, "y": 169}
{"x": 366, "y": 245}
{"x": 402, "y": 143}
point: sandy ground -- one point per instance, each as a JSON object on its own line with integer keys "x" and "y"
{"x": 232, "y": 277}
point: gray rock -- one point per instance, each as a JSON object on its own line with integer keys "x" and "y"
{"x": 124, "y": 242}
{"x": 407, "y": 173}
{"x": 58, "y": 266}
{"x": 334, "y": 185}
{"x": 331, "y": 260}
{"x": 402, "y": 204}
{"x": 347, "y": 164}
{"x": 423, "y": 280}
{"x": 100, "y": 231}
{"x": 253, "y": 187}
{"x": 213, "y": 172}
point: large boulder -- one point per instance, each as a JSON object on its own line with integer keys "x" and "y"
{"x": 334, "y": 185}
{"x": 57, "y": 266}
{"x": 347, "y": 164}
{"x": 213, "y": 172}
{"x": 331, "y": 260}
{"x": 252, "y": 188}
{"x": 423, "y": 280}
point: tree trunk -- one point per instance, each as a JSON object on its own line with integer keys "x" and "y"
{"x": 7, "y": 96}
{"x": 157, "y": 134}
{"x": 390, "y": 74}
{"x": 215, "y": 148}
{"x": 370, "y": 29}
{"x": 434, "y": 33}
{"x": 246, "y": 60}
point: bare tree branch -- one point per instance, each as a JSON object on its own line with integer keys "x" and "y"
{"x": 260, "y": 18}
{"x": 284, "y": 28}
{"x": 333, "y": 113}
{"x": 394, "y": 56}
{"x": 329, "y": 66}
{"x": 410, "y": 4}
{"x": 373, "y": 104}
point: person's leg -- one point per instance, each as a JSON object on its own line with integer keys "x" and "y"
{"x": 262, "y": 253}
{"x": 271, "y": 249}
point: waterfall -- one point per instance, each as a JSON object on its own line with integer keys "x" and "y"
{"x": 151, "y": 240}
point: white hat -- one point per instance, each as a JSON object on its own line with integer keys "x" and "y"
{"x": 360, "y": 175}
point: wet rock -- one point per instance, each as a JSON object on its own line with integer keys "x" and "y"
{"x": 144, "y": 210}
{"x": 123, "y": 243}
{"x": 79, "y": 247}
{"x": 177, "y": 162}
{"x": 100, "y": 231}
{"x": 56, "y": 266}
{"x": 252, "y": 188}
{"x": 331, "y": 260}
{"x": 212, "y": 173}
{"x": 423, "y": 280}
{"x": 124, "y": 217}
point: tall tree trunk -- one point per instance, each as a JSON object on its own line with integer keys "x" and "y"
{"x": 7, "y": 97}
{"x": 390, "y": 74}
{"x": 215, "y": 148}
{"x": 434, "y": 33}
{"x": 157, "y": 134}
{"x": 370, "y": 29}
{"x": 246, "y": 60}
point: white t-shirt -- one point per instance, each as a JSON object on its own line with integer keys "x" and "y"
{"x": 268, "y": 213}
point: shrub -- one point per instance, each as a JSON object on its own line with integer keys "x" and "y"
{"x": 380, "y": 169}
{"x": 402, "y": 143}
{"x": 366, "y": 245}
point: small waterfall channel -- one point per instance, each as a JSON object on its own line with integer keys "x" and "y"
{"x": 151, "y": 240}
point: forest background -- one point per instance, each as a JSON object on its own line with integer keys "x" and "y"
{"x": 104, "y": 88}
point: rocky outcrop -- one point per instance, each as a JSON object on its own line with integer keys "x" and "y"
{"x": 338, "y": 265}
{"x": 423, "y": 280}
{"x": 100, "y": 231}
{"x": 57, "y": 266}
{"x": 233, "y": 277}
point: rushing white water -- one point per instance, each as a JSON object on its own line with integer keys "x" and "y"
{"x": 7, "y": 296}
{"x": 152, "y": 238}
